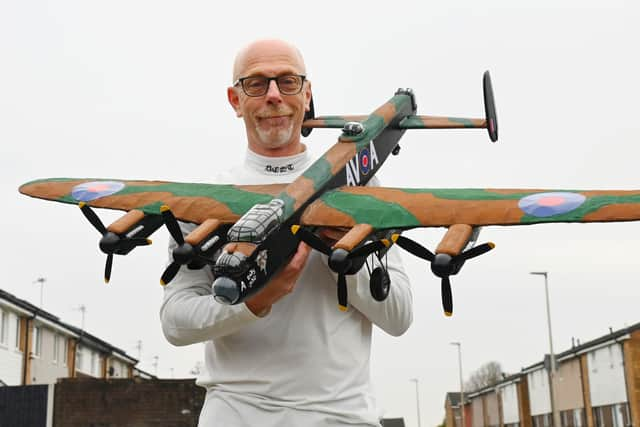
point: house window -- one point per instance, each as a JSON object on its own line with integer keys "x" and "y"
{"x": 17, "y": 342}
{"x": 79, "y": 359}
{"x": 93, "y": 363}
{"x": 56, "y": 347}
{"x": 4, "y": 327}
{"x": 37, "y": 341}
{"x": 65, "y": 350}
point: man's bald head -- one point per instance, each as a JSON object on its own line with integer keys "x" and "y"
{"x": 272, "y": 49}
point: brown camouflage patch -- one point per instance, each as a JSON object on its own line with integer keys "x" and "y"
{"x": 387, "y": 111}
{"x": 300, "y": 190}
{"x": 318, "y": 213}
{"x": 614, "y": 193}
{"x": 433, "y": 122}
{"x": 190, "y": 209}
{"x": 615, "y": 212}
{"x": 339, "y": 155}
{"x": 430, "y": 211}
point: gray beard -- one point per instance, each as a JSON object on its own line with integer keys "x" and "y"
{"x": 277, "y": 140}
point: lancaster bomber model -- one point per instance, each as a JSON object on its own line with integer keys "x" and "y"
{"x": 247, "y": 233}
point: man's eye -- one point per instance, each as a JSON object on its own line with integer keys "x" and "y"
{"x": 254, "y": 83}
{"x": 288, "y": 81}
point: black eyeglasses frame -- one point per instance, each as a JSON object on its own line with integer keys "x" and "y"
{"x": 241, "y": 80}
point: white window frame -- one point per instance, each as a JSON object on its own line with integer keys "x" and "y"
{"x": 4, "y": 328}
{"x": 17, "y": 341}
{"x": 56, "y": 347}
{"x": 65, "y": 349}
{"x": 79, "y": 358}
{"x": 37, "y": 341}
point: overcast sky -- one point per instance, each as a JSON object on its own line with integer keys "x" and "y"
{"x": 136, "y": 89}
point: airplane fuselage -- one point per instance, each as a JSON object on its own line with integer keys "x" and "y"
{"x": 248, "y": 263}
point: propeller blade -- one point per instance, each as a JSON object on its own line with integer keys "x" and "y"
{"x": 415, "y": 248}
{"x": 172, "y": 224}
{"x": 311, "y": 239}
{"x": 107, "y": 268}
{"x": 367, "y": 249}
{"x": 92, "y": 217}
{"x": 476, "y": 251}
{"x": 447, "y": 297}
{"x": 169, "y": 273}
{"x": 342, "y": 292}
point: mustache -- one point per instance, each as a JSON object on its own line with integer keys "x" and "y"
{"x": 272, "y": 112}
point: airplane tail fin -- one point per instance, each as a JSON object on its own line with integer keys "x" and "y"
{"x": 490, "y": 122}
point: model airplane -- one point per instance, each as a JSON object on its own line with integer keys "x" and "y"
{"x": 247, "y": 233}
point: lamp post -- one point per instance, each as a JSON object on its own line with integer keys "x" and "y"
{"x": 415, "y": 380}
{"x": 552, "y": 385}
{"x": 457, "y": 344}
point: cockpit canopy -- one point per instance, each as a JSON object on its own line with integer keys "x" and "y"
{"x": 256, "y": 224}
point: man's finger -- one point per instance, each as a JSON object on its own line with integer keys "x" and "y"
{"x": 300, "y": 258}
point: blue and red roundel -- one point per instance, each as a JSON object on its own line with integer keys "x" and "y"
{"x": 365, "y": 161}
{"x": 89, "y": 191}
{"x": 542, "y": 205}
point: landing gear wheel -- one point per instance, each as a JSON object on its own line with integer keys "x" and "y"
{"x": 379, "y": 284}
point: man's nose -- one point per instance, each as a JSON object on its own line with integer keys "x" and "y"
{"x": 273, "y": 93}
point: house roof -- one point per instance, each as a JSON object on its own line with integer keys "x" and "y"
{"x": 589, "y": 345}
{"x": 613, "y": 336}
{"x": 83, "y": 336}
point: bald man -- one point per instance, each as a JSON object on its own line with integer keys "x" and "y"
{"x": 287, "y": 356}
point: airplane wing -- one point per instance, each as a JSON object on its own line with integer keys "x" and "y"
{"x": 189, "y": 202}
{"x": 404, "y": 208}
{"x": 378, "y": 215}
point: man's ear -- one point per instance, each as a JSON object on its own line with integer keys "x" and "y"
{"x": 234, "y": 100}
{"x": 307, "y": 97}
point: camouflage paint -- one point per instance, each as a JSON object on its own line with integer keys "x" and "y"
{"x": 409, "y": 122}
{"x": 188, "y": 202}
{"x": 444, "y": 207}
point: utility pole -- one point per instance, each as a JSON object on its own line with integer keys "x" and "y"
{"x": 41, "y": 281}
{"x": 457, "y": 344}
{"x": 155, "y": 365}
{"x": 415, "y": 380}
{"x": 552, "y": 376}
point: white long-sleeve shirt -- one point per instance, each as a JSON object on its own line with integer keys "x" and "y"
{"x": 306, "y": 363}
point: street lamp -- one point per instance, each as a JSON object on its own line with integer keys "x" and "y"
{"x": 457, "y": 344}
{"x": 415, "y": 380}
{"x": 554, "y": 407}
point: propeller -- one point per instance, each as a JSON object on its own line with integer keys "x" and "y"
{"x": 184, "y": 253}
{"x": 442, "y": 265}
{"x": 110, "y": 242}
{"x": 340, "y": 260}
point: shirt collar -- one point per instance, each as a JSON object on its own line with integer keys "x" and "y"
{"x": 276, "y": 165}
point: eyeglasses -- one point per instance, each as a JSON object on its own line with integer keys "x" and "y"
{"x": 290, "y": 84}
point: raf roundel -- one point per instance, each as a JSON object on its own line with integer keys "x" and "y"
{"x": 543, "y": 205}
{"x": 364, "y": 161}
{"x": 89, "y": 191}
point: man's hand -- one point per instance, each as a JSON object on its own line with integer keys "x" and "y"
{"x": 281, "y": 284}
